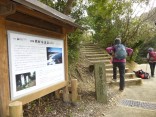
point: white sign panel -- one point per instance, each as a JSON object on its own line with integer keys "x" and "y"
{"x": 35, "y": 63}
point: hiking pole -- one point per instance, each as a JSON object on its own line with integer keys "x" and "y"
{"x": 146, "y": 71}
{"x": 146, "y": 64}
{"x": 146, "y": 67}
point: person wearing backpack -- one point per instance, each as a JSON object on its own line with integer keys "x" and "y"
{"x": 151, "y": 57}
{"x": 119, "y": 53}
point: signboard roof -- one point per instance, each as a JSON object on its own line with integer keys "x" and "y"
{"x": 38, "y": 6}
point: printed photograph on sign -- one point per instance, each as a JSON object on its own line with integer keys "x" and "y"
{"x": 54, "y": 55}
{"x": 25, "y": 80}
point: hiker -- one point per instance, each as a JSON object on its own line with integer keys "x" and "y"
{"x": 151, "y": 58}
{"x": 119, "y": 53}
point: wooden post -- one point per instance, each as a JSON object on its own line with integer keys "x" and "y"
{"x": 15, "y": 109}
{"x": 66, "y": 95}
{"x": 100, "y": 83}
{"x": 65, "y": 89}
{"x": 74, "y": 93}
{"x": 4, "y": 78}
{"x": 57, "y": 94}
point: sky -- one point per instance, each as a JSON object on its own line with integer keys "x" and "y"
{"x": 139, "y": 9}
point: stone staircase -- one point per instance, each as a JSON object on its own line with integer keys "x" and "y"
{"x": 94, "y": 54}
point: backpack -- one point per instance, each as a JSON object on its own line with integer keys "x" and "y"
{"x": 120, "y": 51}
{"x": 152, "y": 56}
{"x": 142, "y": 74}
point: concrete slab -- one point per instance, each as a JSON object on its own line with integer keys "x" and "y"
{"x": 145, "y": 92}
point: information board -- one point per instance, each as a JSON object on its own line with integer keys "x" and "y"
{"x": 35, "y": 63}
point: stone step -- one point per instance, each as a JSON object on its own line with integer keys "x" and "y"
{"x": 91, "y": 50}
{"x": 99, "y": 58}
{"x": 99, "y": 61}
{"x": 128, "y": 82}
{"x": 108, "y": 66}
{"x": 97, "y": 55}
{"x": 130, "y": 75}
{"x": 100, "y": 52}
{"x": 110, "y": 70}
{"x": 88, "y": 44}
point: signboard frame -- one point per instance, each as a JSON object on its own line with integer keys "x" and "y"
{"x": 32, "y": 59}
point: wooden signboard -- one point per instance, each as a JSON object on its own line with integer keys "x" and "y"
{"x": 33, "y": 52}
{"x": 35, "y": 63}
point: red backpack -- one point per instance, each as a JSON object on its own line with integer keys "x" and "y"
{"x": 142, "y": 74}
{"x": 152, "y": 56}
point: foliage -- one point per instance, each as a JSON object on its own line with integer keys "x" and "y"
{"x": 110, "y": 19}
{"x": 58, "y": 5}
{"x": 105, "y": 19}
{"x": 143, "y": 49}
{"x": 146, "y": 34}
{"x": 74, "y": 9}
{"x": 74, "y": 40}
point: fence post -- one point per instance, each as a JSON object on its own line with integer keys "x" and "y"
{"x": 15, "y": 109}
{"x": 57, "y": 94}
{"x": 66, "y": 98}
{"x": 100, "y": 83}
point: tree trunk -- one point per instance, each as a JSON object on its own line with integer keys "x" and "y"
{"x": 68, "y": 7}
